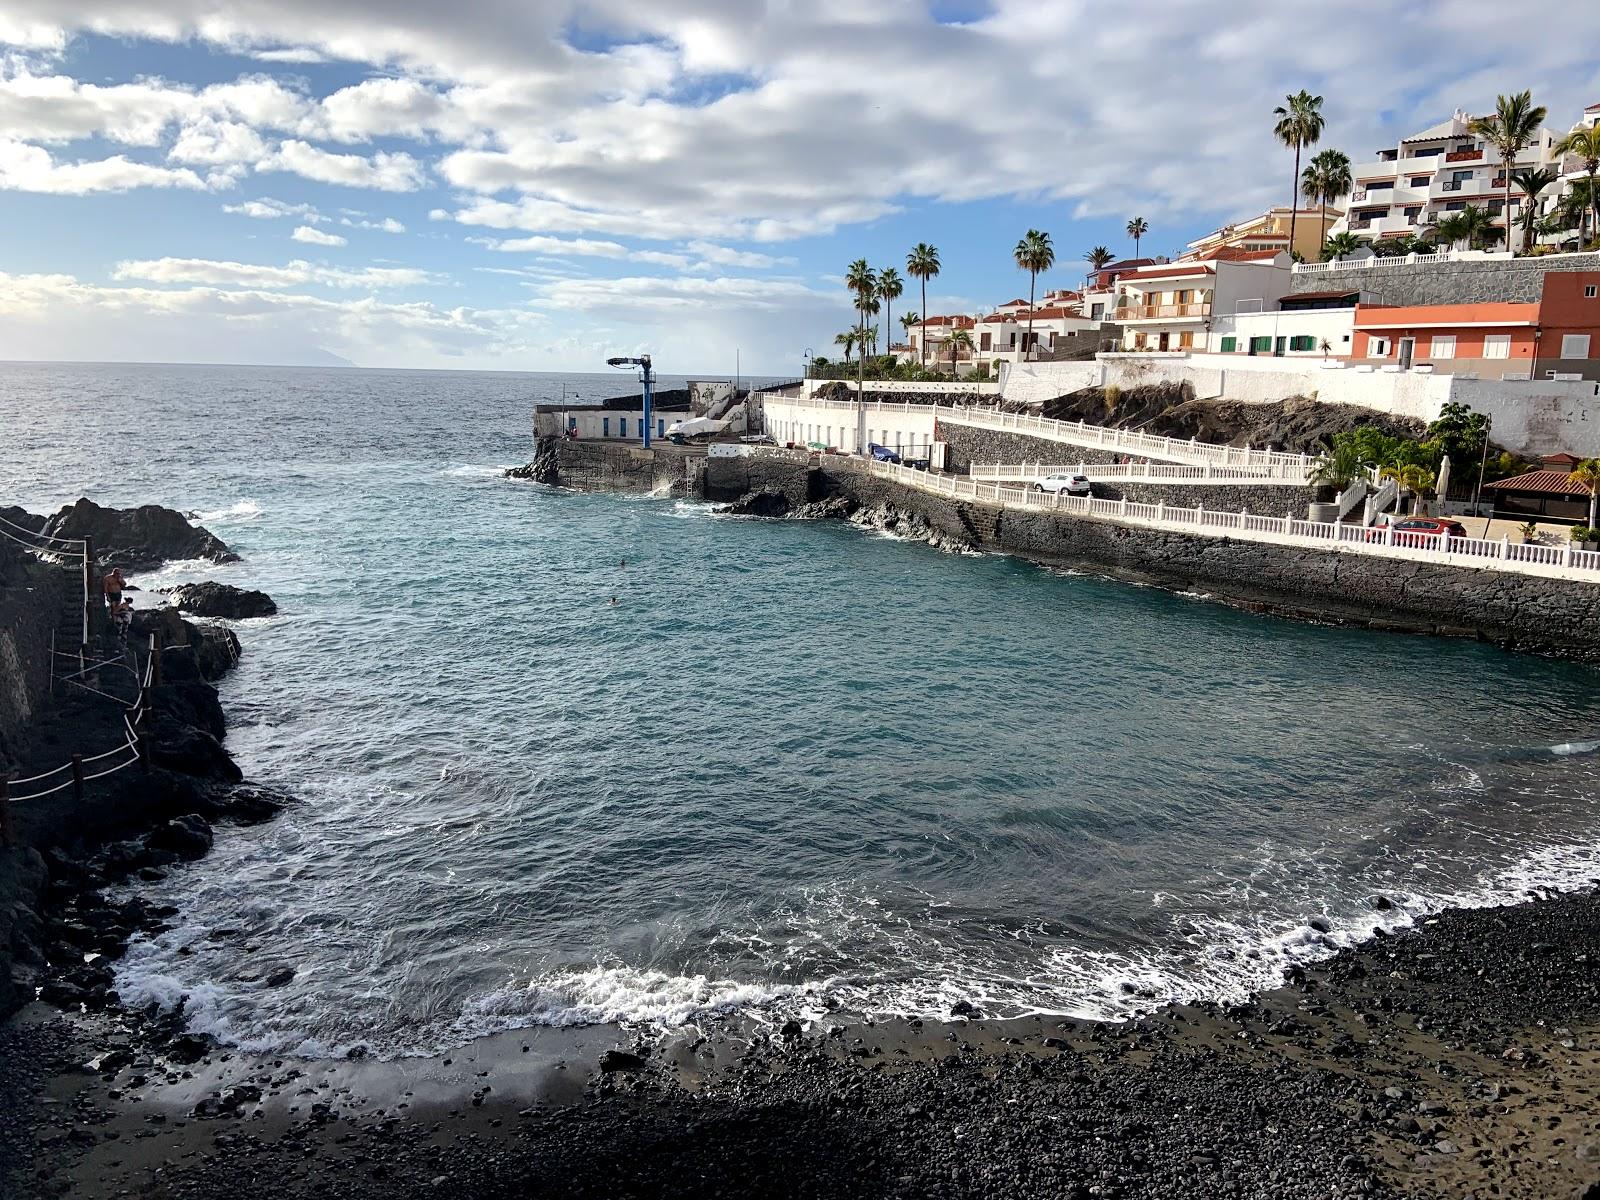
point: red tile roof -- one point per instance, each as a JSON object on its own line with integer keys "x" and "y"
{"x": 1167, "y": 269}
{"x": 957, "y": 322}
{"x": 1234, "y": 254}
{"x": 1550, "y": 483}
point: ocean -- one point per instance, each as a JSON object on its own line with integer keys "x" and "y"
{"x": 574, "y": 758}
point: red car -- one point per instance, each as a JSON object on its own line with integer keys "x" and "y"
{"x": 1428, "y": 526}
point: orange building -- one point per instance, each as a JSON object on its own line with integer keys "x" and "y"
{"x": 1559, "y": 335}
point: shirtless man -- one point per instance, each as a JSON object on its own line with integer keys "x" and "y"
{"x": 114, "y": 585}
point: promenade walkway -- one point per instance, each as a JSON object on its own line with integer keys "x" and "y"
{"x": 1555, "y": 562}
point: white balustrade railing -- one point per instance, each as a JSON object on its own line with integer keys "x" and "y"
{"x": 1078, "y": 433}
{"x": 1379, "y": 541}
{"x": 1134, "y": 472}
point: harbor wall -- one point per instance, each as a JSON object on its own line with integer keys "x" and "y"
{"x": 591, "y": 466}
{"x": 1524, "y": 612}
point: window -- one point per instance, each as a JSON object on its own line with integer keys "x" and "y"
{"x": 1185, "y": 340}
{"x": 605, "y": 426}
{"x": 622, "y": 427}
{"x": 1260, "y": 345}
{"x": 1497, "y": 345}
{"x": 1443, "y": 346}
{"x": 1455, "y": 206}
{"x": 1419, "y": 181}
{"x": 1413, "y": 211}
{"x": 1377, "y": 347}
{"x": 661, "y": 427}
{"x": 1575, "y": 345}
{"x": 1230, "y": 344}
{"x": 1590, "y": 291}
{"x": 1303, "y": 341}
{"x": 572, "y": 422}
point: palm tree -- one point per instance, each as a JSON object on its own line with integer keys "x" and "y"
{"x": 862, "y": 282}
{"x": 1585, "y": 144}
{"x": 908, "y": 322}
{"x": 1588, "y": 473}
{"x": 1300, "y": 123}
{"x": 1340, "y": 244}
{"x": 1473, "y": 225}
{"x": 847, "y": 339}
{"x": 890, "y": 288}
{"x": 1325, "y": 179}
{"x": 870, "y": 335}
{"x": 1137, "y": 228}
{"x": 1033, "y": 254}
{"x": 1098, "y": 258}
{"x": 1532, "y": 181}
{"x": 923, "y": 263}
{"x": 1509, "y": 129}
{"x": 960, "y": 339}
{"x": 1340, "y": 467}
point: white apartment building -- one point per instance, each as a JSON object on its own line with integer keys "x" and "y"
{"x": 1411, "y": 186}
{"x": 1171, "y": 306}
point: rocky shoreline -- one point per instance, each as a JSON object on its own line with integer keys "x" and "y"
{"x": 1461, "y": 1059}
{"x": 1458, "y": 1060}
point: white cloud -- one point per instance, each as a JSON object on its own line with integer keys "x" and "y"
{"x": 57, "y": 316}
{"x": 385, "y": 225}
{"x": 297, "y": 273}
{"x": 290, "y": 54}
{"x": 388, "y": 172}
{"x": 219, "y": 143}
{"x": 268, "y": 209}
{"x": 25, "y": 168}
{"x": 315, "y": 237}
{"x": 585, "y": 248}
{"x": 725, "y": 256}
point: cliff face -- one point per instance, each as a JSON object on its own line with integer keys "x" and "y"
{"x": 33, "y": 599}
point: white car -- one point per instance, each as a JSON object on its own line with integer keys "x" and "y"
{"x": 1071, "y": 484}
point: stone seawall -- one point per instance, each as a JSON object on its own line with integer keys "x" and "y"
{"x": 1266, "y": 500}
{"x": 1518, "y": 280}
{"x": 1523, "y": 612}
{"x": 968, "y": 444}
{"x": 609, "y": 466}
{"x": 788, "y": 474}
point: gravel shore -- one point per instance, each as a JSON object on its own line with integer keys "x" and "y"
{"x": 1459, "y": 1060}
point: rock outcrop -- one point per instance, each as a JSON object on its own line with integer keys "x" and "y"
{"x": 221, "y": 600}
{"x": 136, "y": 539}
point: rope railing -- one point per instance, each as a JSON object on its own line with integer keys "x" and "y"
{"x": 126, "y": 753}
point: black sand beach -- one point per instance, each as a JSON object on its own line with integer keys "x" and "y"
{"x": 1460, "y": 1060}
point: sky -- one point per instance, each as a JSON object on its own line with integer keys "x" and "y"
{"x": 540, "y": 184}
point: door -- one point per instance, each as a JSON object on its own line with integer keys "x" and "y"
{"x": 1279, "y": 346}
{"x": 1408, "y": 348}
{"x": 1165, "y": 340}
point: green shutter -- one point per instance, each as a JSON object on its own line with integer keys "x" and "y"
{"x": 1261, "y": 343}
{"x": 1230, "y": 343}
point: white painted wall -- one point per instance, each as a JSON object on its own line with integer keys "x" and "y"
{"x": 1335, "y": 325}
{"x": 907, "y": 428}
{"x": 1530, "y": 416}
{"x": 939, "y": 387}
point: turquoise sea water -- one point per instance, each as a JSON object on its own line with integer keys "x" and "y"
{"x": 793, "y": 764}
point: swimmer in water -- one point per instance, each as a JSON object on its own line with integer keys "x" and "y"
{"x": 613, "y": 599}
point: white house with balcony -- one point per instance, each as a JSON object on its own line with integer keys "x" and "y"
{"x": 1171, "y": 306}
{"x": 1410, "y": 187}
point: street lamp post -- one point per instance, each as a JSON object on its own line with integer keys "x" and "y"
{"x": 805, "y": 371}
{"x": 645, "y": 377}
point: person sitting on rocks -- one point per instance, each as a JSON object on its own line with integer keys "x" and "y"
{"x": 114, "y": 585}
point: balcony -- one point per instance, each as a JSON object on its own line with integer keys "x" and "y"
{"x": 1463, "y": 156}
{"x": 1161, "y": 312}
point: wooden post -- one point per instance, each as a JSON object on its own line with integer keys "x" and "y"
{"x": 77, "y": 778}
{"x": 6, "y": 836}
{"x": 155, "y": 660}
{"x": 91, "y": 591}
